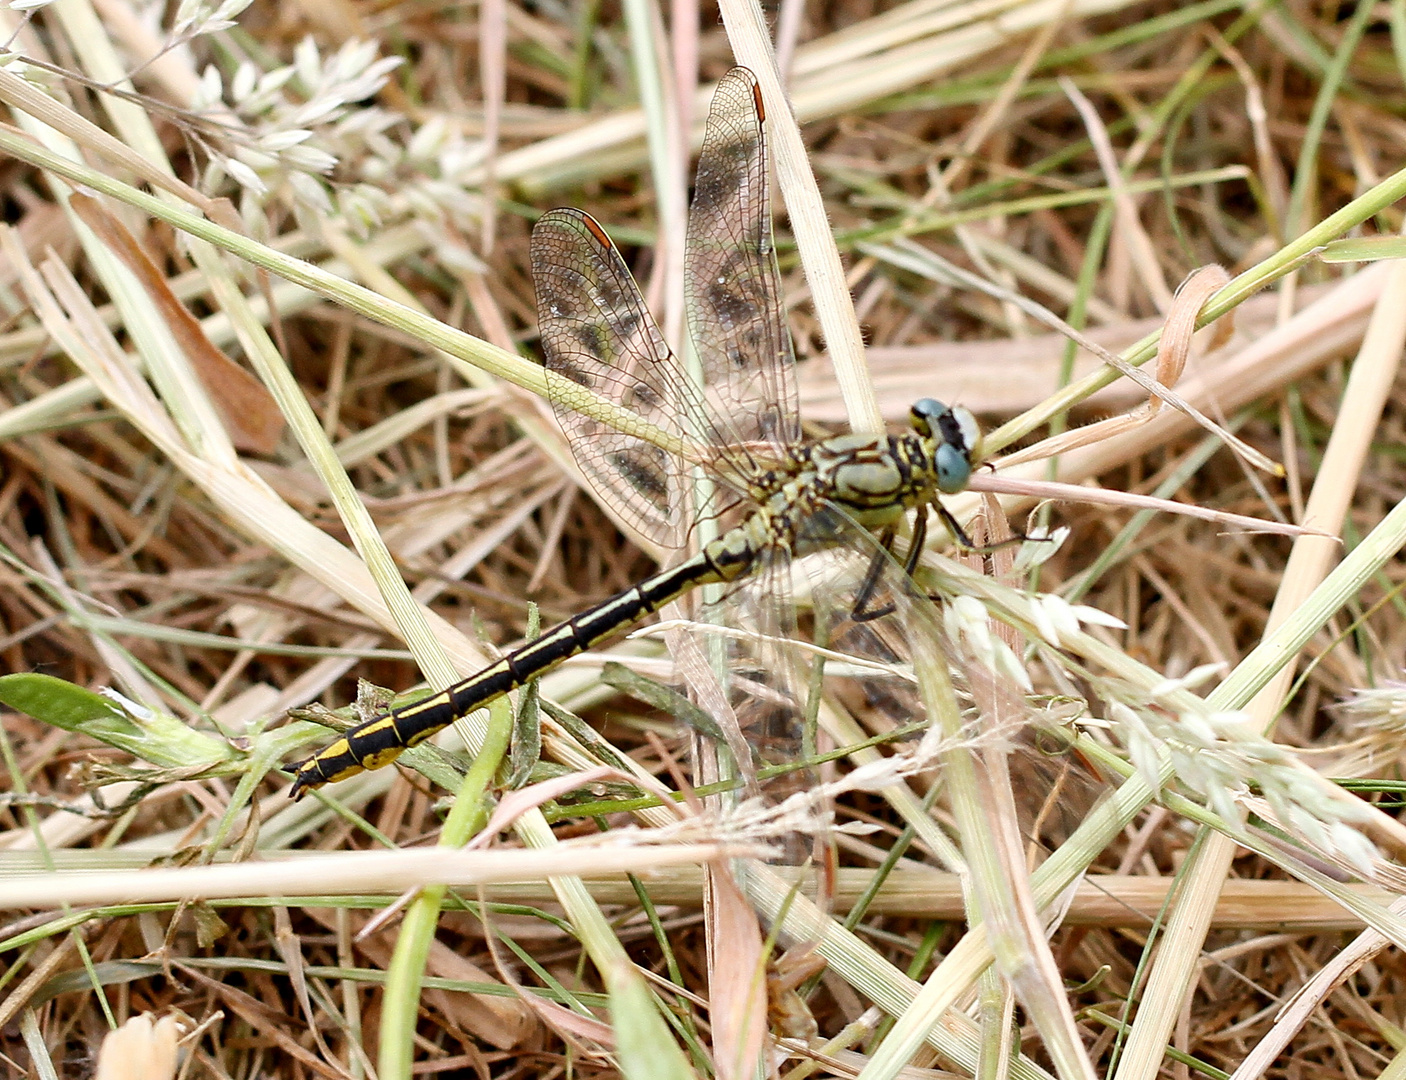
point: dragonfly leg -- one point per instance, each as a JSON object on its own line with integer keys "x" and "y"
{"x": 919, "y": 541}
{"x": 959, "y": 534}
{"x": 860, "y": 612}
{"x": 963, "y": 540}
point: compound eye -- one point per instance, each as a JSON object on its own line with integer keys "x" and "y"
{"x": 969, "y": 429}
{"x": 925, "y": 415}
{"x": 954, "y": 469}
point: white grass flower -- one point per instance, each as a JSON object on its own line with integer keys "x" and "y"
{"x": 1092, "y": 616}
{"x": 187, "y": 11}
{"x": 1146, "y": 758}
{"x": 245, "y": 176}
{"x": 1057, "y": 614}
{"x": 310, "y": 191}
{"x": 1223, "y": 800}
{"x": 461, "y": 157}
{"x": 1380, "y": 708}
{"x": 308, "y": 159}
{"x": 308, "y": 62}
{"x": 266, "y": 93}
{"x": 1193, "y": 679}
{"x": 460, "y": 257}
{"x": 366, "y": 122}
{"x": 968, "y": 625}
{"x": 1039, "y": 547}
{"x": 246, "y": 79}
{"x": 426, "y": 143}
{"x": 255, "y": 159}
{"x": 211, "y": 90}
{"x": 275, "y": 142}
{"x": 1007, "y": 663}
{"x": 1046, "y": 620}
{"x": 196, "y": 17}
{"x": 376, "y": 170}
{"x": 226, "y": 15}
{"x": 361, "y": 205}
{"x": 1354, "y": 848}
{"x": 1306, "y": 827}
{"x": 878, "y": 774}
{"x": 1145, "y": 750}
{"x": 1195, "y": 727}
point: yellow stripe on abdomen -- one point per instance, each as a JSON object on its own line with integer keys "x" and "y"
{"x": 379, "y": 742}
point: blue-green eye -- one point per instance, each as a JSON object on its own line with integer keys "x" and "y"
{"x": 954, "y": 468}
{"x": 957, "y": 436}
{"x": 926, "y": 416}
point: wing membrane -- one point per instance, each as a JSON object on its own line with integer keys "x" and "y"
{"x": 597, "y": 332}
{"x": 749, "y": 672}
{"x": 732, "y": 287}
{"x": 741, "y": 410}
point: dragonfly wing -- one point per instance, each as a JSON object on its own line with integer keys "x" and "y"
{"x": 597, "y": 333}
{"x": 732, "y": 286}
{"x": 748, "y": 638}
{"x": 880, "y": 626}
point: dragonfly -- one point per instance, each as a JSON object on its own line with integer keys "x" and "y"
{"x": 772, "y": 496}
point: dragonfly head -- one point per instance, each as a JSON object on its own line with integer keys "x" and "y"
{"x": 954, "y": 437}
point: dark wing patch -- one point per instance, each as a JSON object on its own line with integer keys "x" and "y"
{"x": 732, "y": 285}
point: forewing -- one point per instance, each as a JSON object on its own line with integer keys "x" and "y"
{"x": 598, "y": 334}
{"x": 733, "y": 289}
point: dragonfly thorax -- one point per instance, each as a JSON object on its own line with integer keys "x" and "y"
{"x": 875, "y": 479}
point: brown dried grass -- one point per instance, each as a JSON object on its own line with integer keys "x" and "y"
{"x": 130, "y": 527}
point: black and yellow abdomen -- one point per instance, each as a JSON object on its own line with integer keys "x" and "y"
{"x": 379, "y": 742}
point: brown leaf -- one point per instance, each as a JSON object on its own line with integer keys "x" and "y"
{"x": 247, "y": 408}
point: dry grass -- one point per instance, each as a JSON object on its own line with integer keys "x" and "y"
{"x": 219, "y": 547}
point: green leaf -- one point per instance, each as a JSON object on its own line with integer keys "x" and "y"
{"x": 1364, "y": 249}
{"x": 646, "y": 1049}
{"x": 665, "y": 698}
{"x": 154, "y": 737}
